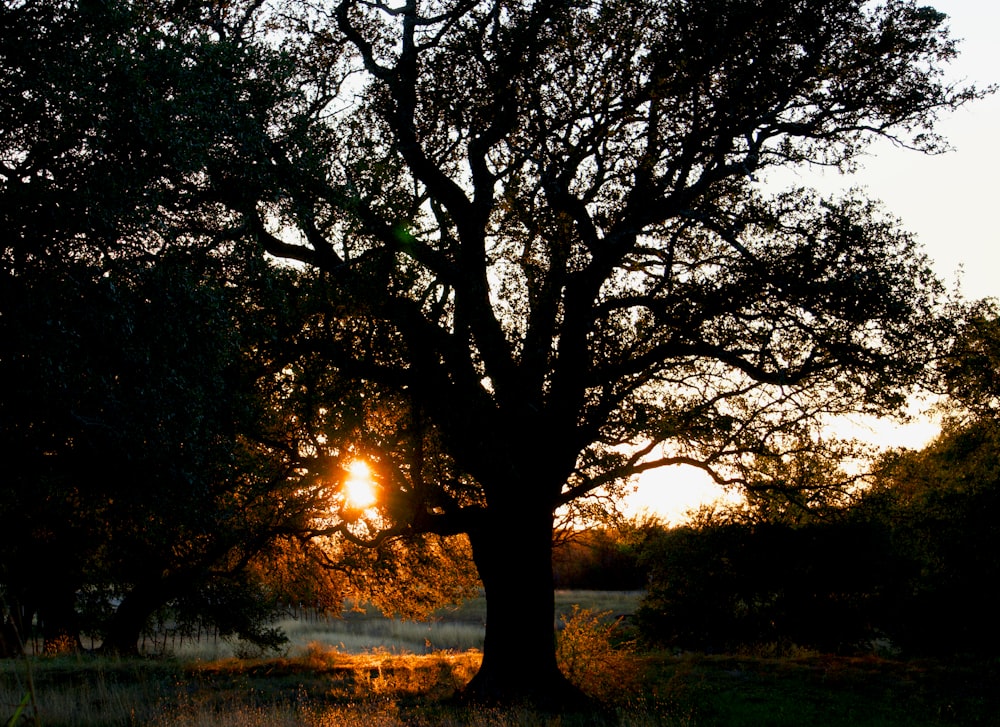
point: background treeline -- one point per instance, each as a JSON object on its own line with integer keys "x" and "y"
{"x": 909, "y": 566}
{"x": 909, "y": 561}
{"x": 905, "y": 560}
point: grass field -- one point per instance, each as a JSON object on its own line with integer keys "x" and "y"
{"x": 320, "y": 685}
{"x": 362, "y": 628}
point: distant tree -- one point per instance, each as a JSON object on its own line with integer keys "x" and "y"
{"x": 908, "y": 556}
{"x": 797, "y": 564}
{"x": 940, "y": 506}
{"x": 545, "y": 226}
{"x": 805, "y": 485}
{"x": 971, "y": 370}
{"x": 600, "y": 558}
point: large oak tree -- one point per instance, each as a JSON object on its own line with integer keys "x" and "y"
{"x": 546, "y": 222}
{"x": 545, "y": 227}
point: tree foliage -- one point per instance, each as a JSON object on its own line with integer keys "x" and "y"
{"x": 797, "y": 565}
{"x": 940, "y": 505}
{"x": 544, "y": 227}
{"x": 604, "y": 559}
{"x": 126, "y": 432}
{"x": 971, "y": 370}
{"x": 168, "y": 441}
{"x": 546, "y": 239}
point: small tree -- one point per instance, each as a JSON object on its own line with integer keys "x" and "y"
{"x": 940, "y": 506}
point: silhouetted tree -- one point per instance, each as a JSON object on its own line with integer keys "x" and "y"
{"x": 89, "y": 156}
{"x": 546, "y": 224}
{"x": 545, "y": 235}
{"x": 155, "y": 433}
{"x": 971, "y": 370}
{"x": 126, "y": 431}
{"x": 940, "y": 506}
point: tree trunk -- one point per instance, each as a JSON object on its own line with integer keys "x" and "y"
{"x": 13, "y": 633}
{"x": 126, "y": 625}
{"x": 513, "y": 553}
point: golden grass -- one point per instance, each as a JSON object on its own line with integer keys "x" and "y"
{"x": 85, "y": 691}
{"x": 361, "y": 663}
{"x": 323, "y": 687}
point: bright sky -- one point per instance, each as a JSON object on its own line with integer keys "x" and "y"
{"x": 949, "y": 201}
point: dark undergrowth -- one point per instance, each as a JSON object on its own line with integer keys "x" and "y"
{"x": 823, "y": 690}
{"x": 327, "y": 688}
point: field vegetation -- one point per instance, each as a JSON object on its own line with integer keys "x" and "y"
{"x": 535, "y": 252}
{"x": 367, "y": 670}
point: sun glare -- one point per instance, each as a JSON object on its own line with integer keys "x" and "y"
{"x": 359, "y": 487}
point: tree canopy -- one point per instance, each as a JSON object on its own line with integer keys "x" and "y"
{"x": 548, "y": 223}
{"x": 156, "y": 419}
{"x": 546, "y": 236}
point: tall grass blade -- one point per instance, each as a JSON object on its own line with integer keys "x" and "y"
{"x": 25, "y": 701}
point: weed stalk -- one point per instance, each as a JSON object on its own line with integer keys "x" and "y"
{"x": 29, "y": 697}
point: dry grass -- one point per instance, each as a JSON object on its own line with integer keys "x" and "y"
{"x": 361, "y": 628}
{"x": 321, "y": 685}
{"x": 331, "y": 665}
{"x": 382, "y": 634}
{"x": 87, "y": 691}
{"x": 324, "y": 687}
{"x": 318, "y": 684}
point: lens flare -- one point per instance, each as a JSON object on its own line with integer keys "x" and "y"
{"x": 359, "y": 487}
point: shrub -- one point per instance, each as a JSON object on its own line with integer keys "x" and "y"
{"x": 592, "y": 657}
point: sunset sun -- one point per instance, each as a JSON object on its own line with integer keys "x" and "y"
{"x": 359, "y": 487}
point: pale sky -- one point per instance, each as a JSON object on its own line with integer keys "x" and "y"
{"x": 949, "y": 201}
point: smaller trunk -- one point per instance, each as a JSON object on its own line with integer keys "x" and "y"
{"x": 15, "y": 629}
{"x": 126, "y": 625}
{"x": 513, "y": 554}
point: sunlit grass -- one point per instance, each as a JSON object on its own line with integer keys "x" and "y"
{"x": 83, "y": 691}
{"x": 362, "y": 669}
{"x": 318, "y": 683}
{"x": 324, "y": 687}
{"x": 362, "y": 628}
{"x": 392, "y": 635}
